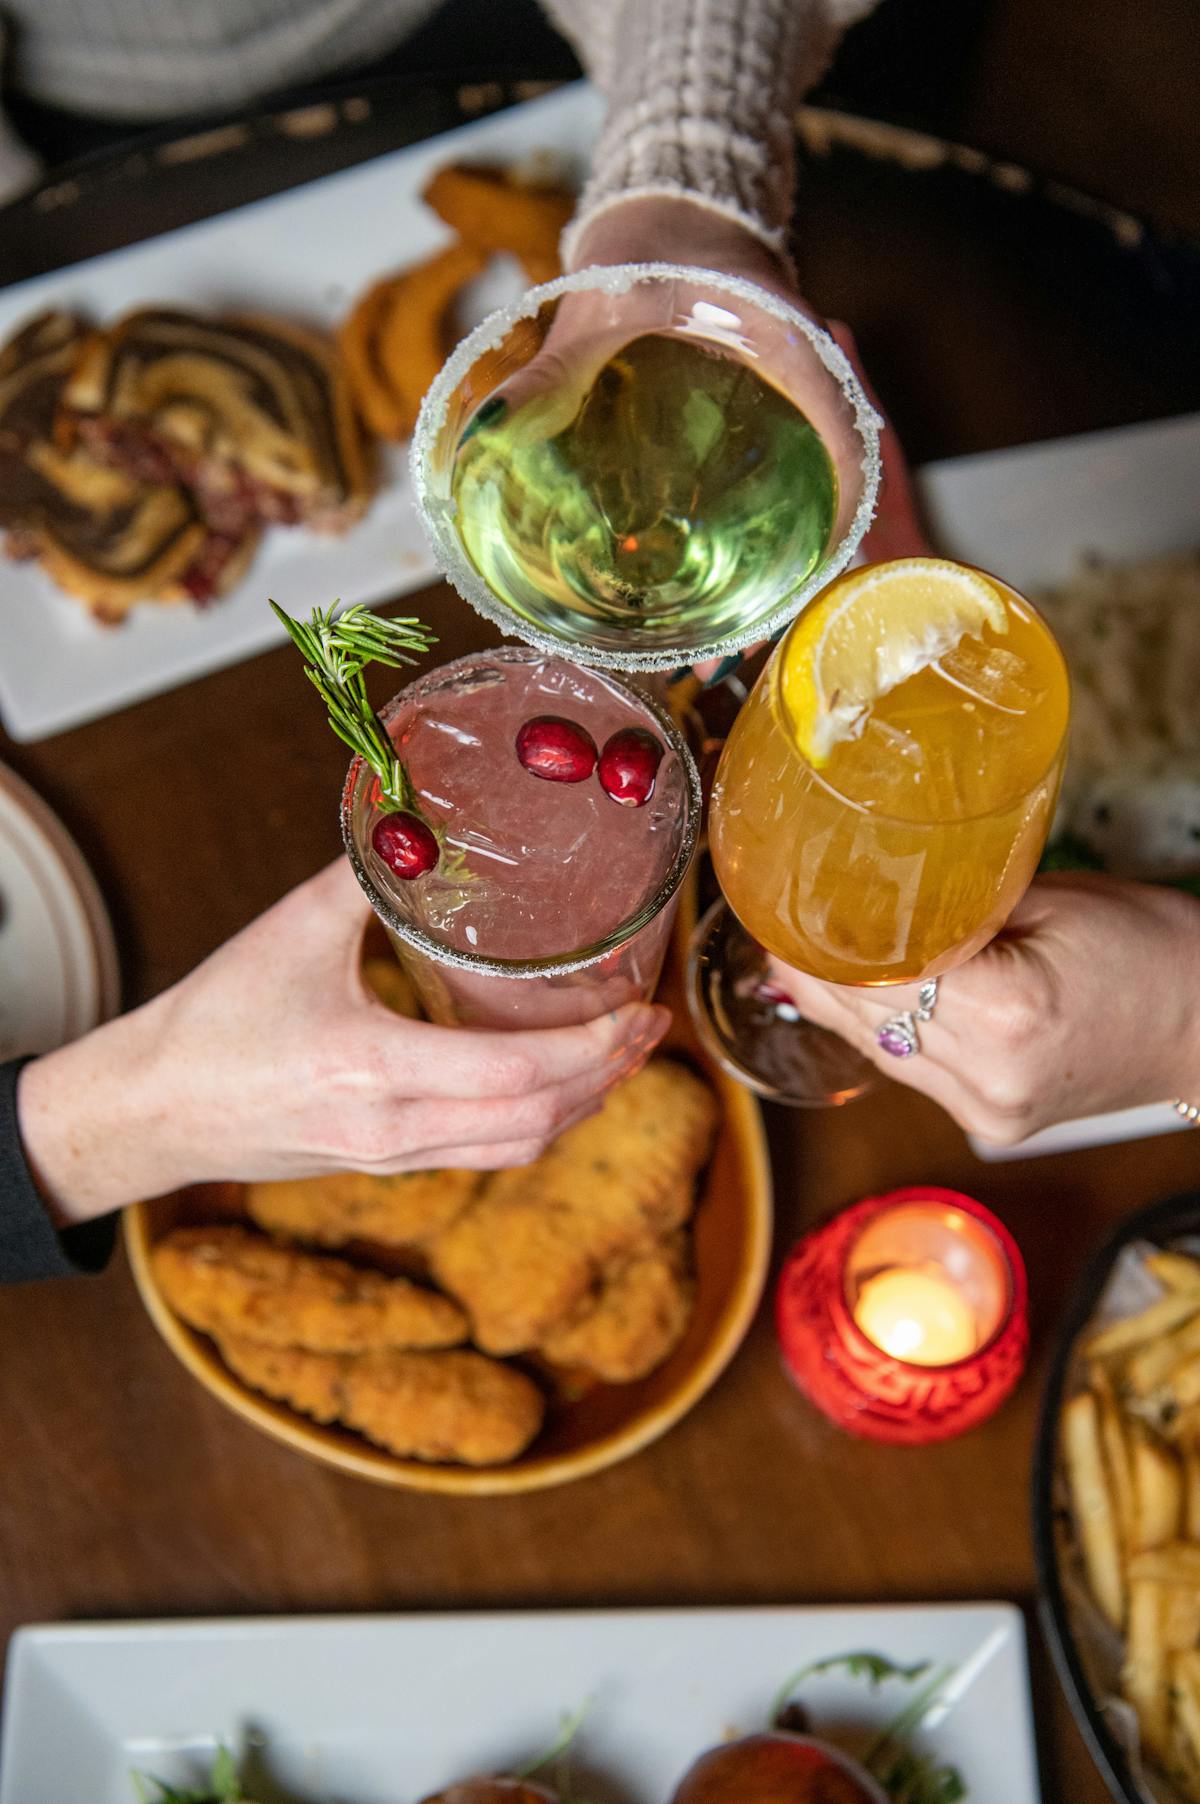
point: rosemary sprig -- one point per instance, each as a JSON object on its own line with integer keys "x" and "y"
{"x": 336, "y": 651}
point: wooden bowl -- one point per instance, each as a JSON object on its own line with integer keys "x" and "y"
{"x": 732, "y": 1244}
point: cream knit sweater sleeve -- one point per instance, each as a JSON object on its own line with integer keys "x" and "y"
{"x": 701, "y": 98}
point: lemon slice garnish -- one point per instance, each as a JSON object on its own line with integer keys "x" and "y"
{"x": 869, "y": 633}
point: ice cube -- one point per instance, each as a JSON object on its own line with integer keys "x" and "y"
{"x": 991, "y": 674}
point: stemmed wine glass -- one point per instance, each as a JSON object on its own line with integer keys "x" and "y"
{"x": 880, "y": 806}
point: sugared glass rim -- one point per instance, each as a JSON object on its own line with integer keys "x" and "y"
{"x": 562, "y": 964}
{"x": 615, "y": 279}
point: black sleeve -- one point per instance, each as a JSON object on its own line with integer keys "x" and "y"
{"x": 30, "y": 1245}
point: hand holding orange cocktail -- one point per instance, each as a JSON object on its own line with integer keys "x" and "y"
{"x": 885, "y": 794}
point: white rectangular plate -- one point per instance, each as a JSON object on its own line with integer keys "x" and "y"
{"x": 1030, "y": 514}
{"x": 307, "y": 254}
{"x": 385, "y": 1710}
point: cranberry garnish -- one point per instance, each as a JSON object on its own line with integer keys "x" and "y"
{"x": 556, "y": 749}
{"x": 406, "y": 845}
{"x": 629, "y": 765}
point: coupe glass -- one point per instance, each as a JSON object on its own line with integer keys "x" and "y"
{"x": 894, "y": 878}
{"x": 551, "y": 904}
{"x": 555, "y": 341}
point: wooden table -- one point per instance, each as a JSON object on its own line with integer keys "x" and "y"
{"x": 125, "y": 1490}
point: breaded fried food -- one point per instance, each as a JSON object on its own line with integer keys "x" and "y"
{"x": 634, "y": 1321}
{"x": 405, "y": 1210}
{"x": 231, "y": 1281}
{"x": 497, "y": 210}
{"x": 433, "y": 1406}
{"x": 398, "y": 334}
{"x": 525, "y": 1254}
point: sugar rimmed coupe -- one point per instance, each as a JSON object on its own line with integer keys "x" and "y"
{"x": 520, "y": 824}
{"x": 645, "y": 464}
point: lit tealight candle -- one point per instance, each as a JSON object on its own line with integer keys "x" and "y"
{"x": 918, "y": 1314}
{"x": 904, "y": 1317}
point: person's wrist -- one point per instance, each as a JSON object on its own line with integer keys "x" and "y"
{"x": 675, "y": 229}
{"x": 93, "y": 1130}
{"x": 1183, "y": 913}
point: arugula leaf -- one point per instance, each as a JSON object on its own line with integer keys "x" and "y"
{"x": 875, "y": 1668}
{"x": 913, "y": 1779}
{"x": 906, "y": 1776}
{"x": 227, "y": 1787}
{"x": 224, "y": 1786}
{"x": 569, "y": 1728}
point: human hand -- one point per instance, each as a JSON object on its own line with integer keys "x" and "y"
{"x": 272, "y": 1060}
{"x": 664, "y": 230}
{"x": 1087, "y": 1000}
{"x": 680, "y": 231}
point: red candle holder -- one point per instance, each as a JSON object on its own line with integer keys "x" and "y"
{"x": 933, "y": 1274}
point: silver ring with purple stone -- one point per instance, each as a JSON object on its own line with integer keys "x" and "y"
{"x": 899, "y": 1035}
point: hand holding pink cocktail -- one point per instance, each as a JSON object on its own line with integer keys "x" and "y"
{"x": 520, "y": 824}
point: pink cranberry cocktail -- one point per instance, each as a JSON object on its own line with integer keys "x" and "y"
{"x": 567, "y": 808}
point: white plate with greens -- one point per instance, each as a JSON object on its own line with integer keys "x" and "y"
{"x": 389, "y": 1709}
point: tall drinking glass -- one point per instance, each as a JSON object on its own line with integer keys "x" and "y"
{"x": 878, "y": 834}
{"x": 645, "y": 465}
{"x": 551, "y": 903}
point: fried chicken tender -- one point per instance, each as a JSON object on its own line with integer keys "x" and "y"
{"x": 229, "y": 1280}
{"x": 637, "y": 1318}
{"x": 525, "y": 1254}
{"x": 434, "y": 1406}
{"x": 405, "y": 1210}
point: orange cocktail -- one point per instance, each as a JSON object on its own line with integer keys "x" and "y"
{"x": 885, "y": 794}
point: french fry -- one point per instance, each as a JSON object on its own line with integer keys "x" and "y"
{"x": 1185, "y": 1704}
{"x": 1181, "y": 1618}
{"x": 1145, "y": 1676}
{"x": 1178, "y": 1563}
{"x": 1177, "y": 1271}
{"x": 1131, "y": 1453}
{"x": 1158, "y": 1493}
{"x": 1179, "y": 1426}
{"x": 1153, "y": 1363}
{"x": 1114, "y": 1441}
{"x": 1185, "y": 1697}
{"x": 1191, "y": 1490}
{"x": 1183, "y": 1381}
{"x": 1133, "y": 1330}
{"x": 1092, "y": 1503}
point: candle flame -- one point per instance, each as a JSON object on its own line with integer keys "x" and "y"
{"x": 918, "y": 1314}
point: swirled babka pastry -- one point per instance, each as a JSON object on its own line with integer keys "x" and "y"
{"x": 102, "y": 534}
{"x": 253, "y": 415}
